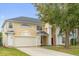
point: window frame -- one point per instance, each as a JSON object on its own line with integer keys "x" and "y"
{"x": 39, "y": 28}
{"x": 25, "y": 26}
{"x": 10, "y": 25}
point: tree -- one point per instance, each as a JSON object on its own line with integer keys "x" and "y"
{"x": 55, "y": 14}
{"x": 75, "y": 12}
{"x": 49, "y": 13}
{"x": 0, "y": 35}
{"x": 0, "y": 39}
{"x": 69, "y": 20}
{"x": 63, "y": 15}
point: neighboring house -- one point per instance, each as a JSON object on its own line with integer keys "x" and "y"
{"x": 25, "y": 31}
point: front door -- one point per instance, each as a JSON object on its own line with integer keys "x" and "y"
{"x": 10, "y": 40}
{"x": 43, "y": 40}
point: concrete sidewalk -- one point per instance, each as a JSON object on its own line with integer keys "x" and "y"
{"x": 39, "y": 51}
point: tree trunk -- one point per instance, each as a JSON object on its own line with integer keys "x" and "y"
{"x": 54, "y": 35}
{"x": 78, "y": 36}
{"x": 67, "y": 39}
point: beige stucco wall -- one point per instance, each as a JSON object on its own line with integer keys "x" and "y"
{"x": 18, "y": 29}
{"x": 47, "y": 28}
{"x": 20, "y": 40}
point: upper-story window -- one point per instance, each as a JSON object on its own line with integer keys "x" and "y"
{"x": 10, "y": 25}
{"x": 24, "y": 25}
{"x": 39, "y": 28}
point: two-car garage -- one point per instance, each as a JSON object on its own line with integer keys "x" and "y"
{"x": 27, "y": 41}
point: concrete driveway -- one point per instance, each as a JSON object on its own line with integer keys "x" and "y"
{"x": 39, "y": 51}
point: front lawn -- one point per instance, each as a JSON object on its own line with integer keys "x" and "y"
{"x": 72, "y": 50}
{"x": 11, "y": 52}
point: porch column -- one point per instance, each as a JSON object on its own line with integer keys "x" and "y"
{"x": 49, "y": 36}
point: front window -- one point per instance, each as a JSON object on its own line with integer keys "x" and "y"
{"x": 24, "y": 25}
{"x": 10, "y": 25}
{"x": 39, "y": 28}
{"x": 63, "y": 40}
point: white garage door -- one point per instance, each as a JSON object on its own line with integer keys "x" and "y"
{"x": 27, "y": 41}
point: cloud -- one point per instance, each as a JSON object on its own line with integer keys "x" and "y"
{"x": 2, "y": 17}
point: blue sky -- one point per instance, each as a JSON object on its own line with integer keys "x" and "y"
{"x": 15, "y": 10}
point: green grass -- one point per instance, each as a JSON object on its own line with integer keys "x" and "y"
{"x": 11, "y": 52}
{"x": 74, "y": 50}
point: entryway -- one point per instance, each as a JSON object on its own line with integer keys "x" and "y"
{"x": 43, "y": 40}
{"x": 52, "y": 41}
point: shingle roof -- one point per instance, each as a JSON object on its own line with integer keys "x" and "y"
{"x": 26, "y": 20}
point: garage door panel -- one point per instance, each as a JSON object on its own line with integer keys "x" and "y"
{"x": 27, "y": 41}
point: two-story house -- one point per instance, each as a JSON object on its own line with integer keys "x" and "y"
{"x": 26, "y": 31}
{"x": 21, "y": 31}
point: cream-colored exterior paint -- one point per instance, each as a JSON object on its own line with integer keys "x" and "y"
{"x": 18, "y": 30}
{"x": 47, "y": 28}
{"x": 19, "y": 39}
{"x": 58, "y": 38}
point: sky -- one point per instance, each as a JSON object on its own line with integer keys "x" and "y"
{"x": 10, "y": 10}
